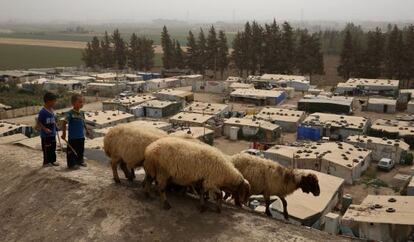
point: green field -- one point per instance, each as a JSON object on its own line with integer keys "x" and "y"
{"x": 24, "y": 57}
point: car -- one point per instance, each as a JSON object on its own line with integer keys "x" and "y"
{"x": 254, "y": 152}
{"x": 126, "y": 94}
{"x": 386, "y": 164}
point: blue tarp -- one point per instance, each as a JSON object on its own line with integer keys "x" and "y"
{"x": 280, "y": 98}
{"x": 309, "y": 133}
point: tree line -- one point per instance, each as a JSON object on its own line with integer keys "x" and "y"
{"x": 377, "y": 53}
{"x": 114, "y": 52}
{"x": 277, "y": 49}
{"x": 202, "y": 53}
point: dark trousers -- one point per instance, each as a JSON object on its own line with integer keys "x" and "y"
{"x": 79, "y": 146}
{"x": 49, "y": 150}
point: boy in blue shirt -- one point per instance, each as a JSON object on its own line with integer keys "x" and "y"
{"x": 75, "y": 119}
{"x": 46, "y": 122}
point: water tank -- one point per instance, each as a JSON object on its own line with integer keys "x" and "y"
{"x": 346, "y": 201}
{"x": 234, "y": 131}
{"x": 331, "y": 223}
{"x": 253, "y": 204}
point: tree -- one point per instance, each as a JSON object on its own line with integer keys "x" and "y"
{"x": 287, "y": 51}
{"x": 178, "y": 55}
{"x": 212, "y": 50}
{"x": 107, "y": 56}
{"x": 134, "y": 53}
{"x": 120, "y": 51}
{"x": 347, "y": 62}
{"x": 409, "y": 52}
{"x": 91, "y": 56}
{"x": 223, "y": 52}
{"x": 167, "y": 48}
{"x": 309, "y": 57}
{"x": 191, "y": 53}
{"x": 147, "y": 51}
{"x": 373, "y": 55}
{"x": 239, "y": 53}
{"x": 271, "y": 49}
{"x": 394, "y": 64}
{"x": 202, "y": 51}
{"x": 256, "y": 48}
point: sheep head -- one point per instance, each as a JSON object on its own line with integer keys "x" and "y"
{"x": 243, "y": 191}
{"x": 309, "y": 183}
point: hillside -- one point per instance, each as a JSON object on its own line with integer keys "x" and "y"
{"x": 53, "y": 204}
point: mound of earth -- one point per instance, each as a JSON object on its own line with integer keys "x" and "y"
{"x": 54, "y": 204}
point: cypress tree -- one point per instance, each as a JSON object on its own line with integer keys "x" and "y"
{"x": 91, "y": 56}
{"x": 256, "y": 50}
{"x": 374, "y": 54}
{"x": 202, "y": 51}
{"x": 191, "y": 53}
{"x": 346, "y": 66}
{"x": 167, "y": 48}
{"x": 212, "y": 50}
{"x": 178, "y": 55}
{"x": 287, "y": 51}
{"x": 147, "y": 53}
{"x": 271, "y": 51}
{"x": 394, "y": 64}
{"x": 107, "y": 55}
{"x": 223, "y": 52}
{"x": 238, "y": 54}
{"x": 134, "y": 53}
{"x": 409, "y": 53}
{"x": 120, "y": 52}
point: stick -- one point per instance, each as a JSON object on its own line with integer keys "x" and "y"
{"x": 70, "y": 147}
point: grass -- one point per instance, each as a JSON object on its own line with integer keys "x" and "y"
{"x": 24, "y": 57}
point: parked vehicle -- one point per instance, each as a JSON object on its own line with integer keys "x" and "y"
{"x": 386, "y": 164}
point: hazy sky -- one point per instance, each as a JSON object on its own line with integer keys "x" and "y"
{"x": 206, "y": 10}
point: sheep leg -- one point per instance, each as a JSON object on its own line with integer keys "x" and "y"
{"x": 267, "y": 201}
{"x": 147, "y": 185}
{"x": 125, "y": 170}
{"x": 114, "y": 165}
{"x": 162, "y": 184}
{"x": 285, "y": 212}
{"x": 202, "y": 200}
{"x": 219, "y": 198}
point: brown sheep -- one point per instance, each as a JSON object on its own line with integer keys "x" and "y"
{"x": 268, "y": 178}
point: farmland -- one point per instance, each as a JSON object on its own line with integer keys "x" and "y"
{"x": 27, "y": 56}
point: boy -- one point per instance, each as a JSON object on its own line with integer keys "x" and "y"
{"x": 75, "y": 118}
{"x": 46, "y": 122}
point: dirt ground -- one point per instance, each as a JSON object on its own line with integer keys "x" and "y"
{"x": 54, "y": 204}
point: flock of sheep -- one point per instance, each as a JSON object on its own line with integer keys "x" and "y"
{"x": 188, "y": 162}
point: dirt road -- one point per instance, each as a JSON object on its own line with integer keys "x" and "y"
{"x": 53, "y": 204}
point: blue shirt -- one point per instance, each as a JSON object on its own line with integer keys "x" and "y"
{"x": 48, "y": 120}
{"x": 76, "y": 124}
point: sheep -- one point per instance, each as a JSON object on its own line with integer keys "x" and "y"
{"x": 125, "y": 145}
{"x": 268, "y": 178}
{"x": 187, "y": 163}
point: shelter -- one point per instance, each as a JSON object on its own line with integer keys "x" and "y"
{"x": 370, "y": 86}
{"x": 317, "y": 125}
{"x": 258, "y": 130}
{"x": 160, "y": 109}
{"x": 393, "y": 129}
{"x": 105, "y": 89}
{"x": 335, "y": 104}
{"x": 175, "y": 95}
{"x": 103, "y": 119}
{"x": 161, "y": 83}
{"x": 382, "y": 105}
{"x": 339, "y": 159}
{"x": 215, "y": 109}
{"x": 210, "y": 86}
{"x": 126, "y": 103}
{"x": 156, "y": 124}
{"x": 201, "y": 133}
{"x": 381, "y": 218}
{"x": 394, "y": 149}
{"x": 258, "y": 96}
{"x": 299, "y": 83}
{"x": 287, "y": 119}
{"x": 190, "y": 119}
{"x": 9, "y": 128}
{"x": 60, "y": 84}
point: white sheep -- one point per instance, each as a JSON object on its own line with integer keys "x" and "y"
{"x": 125, "y": 144}
{"x": 186, "y": 163}
{"x": 268, "y": 178}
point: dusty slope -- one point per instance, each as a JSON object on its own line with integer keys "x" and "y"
{"x": 57, "y": 205}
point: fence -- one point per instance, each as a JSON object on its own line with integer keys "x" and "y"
{"x": 19, "y": 112}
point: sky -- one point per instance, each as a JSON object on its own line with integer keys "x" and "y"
{"x": 206, "y": 10}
